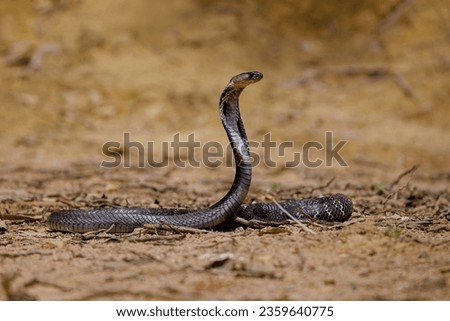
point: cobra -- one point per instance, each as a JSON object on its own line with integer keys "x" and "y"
{"x": 336, "y": 207}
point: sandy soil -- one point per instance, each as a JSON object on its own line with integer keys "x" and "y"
{"x": 77, "y": 74}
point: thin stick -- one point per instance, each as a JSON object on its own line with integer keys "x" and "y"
{"x": 323, "y": 186}
{"x": 13, "y": 217}
{"x": 396, "y": 12}
{"x": 154, "y": 228}
{"x": 92, "y": 234}
{"x": 303, "y": 226}
{"x": 356, "y": 70}
{"x": 409, "y": 171}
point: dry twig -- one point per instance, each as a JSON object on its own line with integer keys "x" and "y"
{"x": 360, "y": 70}
{"x": 394, "y": 14}
{"x": 409, "y": 171}
{"x": 303, "y": 226}
{"x": 323, "y": 186}
{"x": 154, "y": 228}
{"x": 397, "y": 180}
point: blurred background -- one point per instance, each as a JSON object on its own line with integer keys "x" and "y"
{"x": 75, "y": 74}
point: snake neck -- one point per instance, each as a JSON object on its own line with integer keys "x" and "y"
{"x": 234, "y": 127}
{"x": 232, "y": 122}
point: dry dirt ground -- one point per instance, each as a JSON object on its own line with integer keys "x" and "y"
{"x": 76, "y": 74}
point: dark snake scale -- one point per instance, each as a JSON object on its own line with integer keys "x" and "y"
{"x": 336, "y": 207}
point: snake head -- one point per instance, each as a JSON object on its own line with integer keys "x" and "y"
{"x": 230, "y": 94}
{"x": 246, "y": 78}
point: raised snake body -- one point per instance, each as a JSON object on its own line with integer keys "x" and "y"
{"x": 337, "y": 207}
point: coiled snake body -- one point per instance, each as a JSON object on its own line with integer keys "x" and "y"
{"x": 337, "y": 207}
